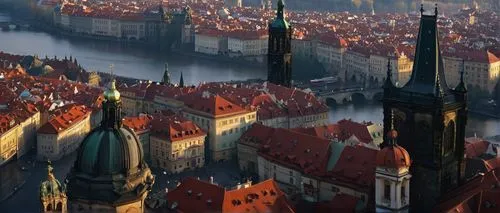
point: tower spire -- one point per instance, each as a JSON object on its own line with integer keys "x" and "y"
{"x": 281, "y": 6}
{"x": 436, "y": 9}
{"x": 461, "y": 85}
{"x": 181, "y": 82}
{"x": 112, "y": 107}
{"x": 392, "y": 134}
{"x": 422, "y": 9}
{"x": 166, "y": 75}
{"x": 50, "y": 174}
{"x": 388, "y": 80}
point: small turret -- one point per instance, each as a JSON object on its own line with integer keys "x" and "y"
{"x": 52, "y": 193}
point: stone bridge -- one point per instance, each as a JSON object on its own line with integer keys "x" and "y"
{"x": 351, "y": 95}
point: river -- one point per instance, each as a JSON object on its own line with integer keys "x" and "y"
{"x": 140, "y": 62}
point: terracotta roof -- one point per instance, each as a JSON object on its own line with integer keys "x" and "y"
{"x": 257, "y": 135}
{"x": 63, "y": 119}
{"x": 393, "y": 157}
{"x": 214, "y": 105}
{"x": 301, "y": 152}
{"x": 350, "y": 128}
{"x": 174, "y": 128}
{"x": 193, "y": 196}
{"x": 265, "y": 196}
{"x": 330, "y": 131}
{"x": 139, "y": 124}
{"x": 468, "y": 196}
{"x": 475, "y": 147}
{"x": 356, "y": 166}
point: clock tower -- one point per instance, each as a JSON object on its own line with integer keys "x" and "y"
{"x": 279, "y": 52}
{"x": 430, "y": 118}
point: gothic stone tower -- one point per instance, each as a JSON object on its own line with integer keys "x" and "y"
{"x": 279, "y": 53}
{"x": 431, "y": 120}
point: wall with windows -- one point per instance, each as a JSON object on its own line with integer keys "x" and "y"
{"x": 8, "y": 143}
{"x": 55, "y": 146}
{"x": 223, "y": 132}
{"x": 177, "y": 156}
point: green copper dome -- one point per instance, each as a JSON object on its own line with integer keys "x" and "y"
{"x": 110, "y": 167}
{"x": 109, "y": 152}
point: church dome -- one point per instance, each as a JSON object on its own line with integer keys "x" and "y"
{"x": 110, "y": 151}
{"x": 393, "y": 155}
{"x": 110, "y": 167}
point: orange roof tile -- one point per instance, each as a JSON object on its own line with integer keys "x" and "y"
{"x": 265, "y": 196}
{"x": 62, "y": 120}
{"x": 193, "y": 196}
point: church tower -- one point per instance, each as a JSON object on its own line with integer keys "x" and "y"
{"x": 279, "y": 52}
{"x": 430, "y": 118}
{"x": 392, "y": 176}
{"x": 52, "y": 194}
{"x": 166, "y": 76}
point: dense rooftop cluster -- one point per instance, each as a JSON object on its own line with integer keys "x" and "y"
{"x": 269, "y": 100}
{"x": 21, "y": 95}
{"x": 463, "y": 34}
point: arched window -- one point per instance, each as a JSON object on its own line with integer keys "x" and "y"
{"x": 275, "y": 45}
{"x": 449, "y": 137}
{"x": 59, "y": 206}
{"x": 49, "y": 207}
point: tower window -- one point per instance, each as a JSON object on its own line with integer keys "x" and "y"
{"x": 403, "y": 191}
{"x": 449, "y": 137}
{"x": 387, "y": 191}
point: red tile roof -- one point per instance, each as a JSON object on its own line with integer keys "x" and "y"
{"x": 63, "y": 119}
{"x": 140, "y": 124}
{"x": 301, "y": 152}
{"x": 193, "y": 196}
{"x": 475, "y": 147}
{"x": 330, "y": 131}
{"x": 214, "y": 105}
{"x": 356, "y": 166}
{"x": 258, "y": 135}
{"x": 174, "y": 128}
{"x": 265, "y": 196}
{"x": 487, "y": 185}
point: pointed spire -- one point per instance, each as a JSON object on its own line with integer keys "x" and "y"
{"x": 181, "y": 82}
{"x": 392, "y": 134}
{"x": 281, "y": 6}
{"x": 461, "y": 85}
{"x": 166, "y": 75}
{"x": 422, "y": 9}
{"x": 388, "y": 80}
{"x": 50, "y": 174}
{"x": 112, "y": 108}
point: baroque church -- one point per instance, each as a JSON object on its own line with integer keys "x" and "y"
{"x": 109, "y": 174}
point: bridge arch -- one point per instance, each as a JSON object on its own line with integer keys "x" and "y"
{"x": 331, "y": 101}
{"x": 358, "y": 98}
